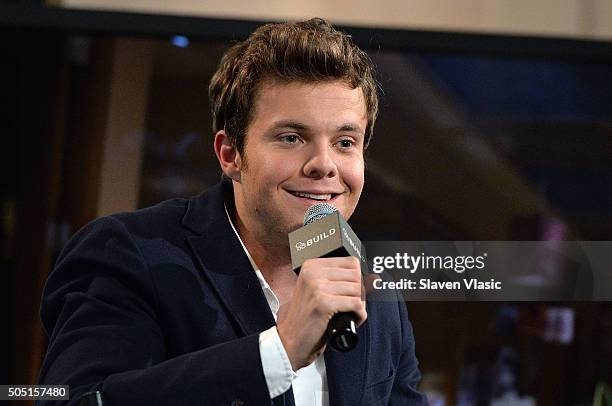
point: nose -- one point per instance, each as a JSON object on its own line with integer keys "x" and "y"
{"x": 320, "y": 163}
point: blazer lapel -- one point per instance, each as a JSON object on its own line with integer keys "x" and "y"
{"x": 225, "y": 264}
{"x": 346, "y": 371}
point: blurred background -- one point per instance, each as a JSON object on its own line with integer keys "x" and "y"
{"x": 495, "y": 124}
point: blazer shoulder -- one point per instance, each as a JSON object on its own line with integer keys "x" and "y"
{"x": 161, "y": 216}
{"x": 127, "y": 231}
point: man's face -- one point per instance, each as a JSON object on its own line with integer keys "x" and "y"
{"x": 304, "y": 145}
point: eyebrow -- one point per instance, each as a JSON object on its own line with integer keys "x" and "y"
{"x": 351, "y": 128}
{"x": 296, "y": 125}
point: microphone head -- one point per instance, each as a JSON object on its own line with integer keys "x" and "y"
{"x": 317, "y": 211}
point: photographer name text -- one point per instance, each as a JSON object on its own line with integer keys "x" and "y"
{"x": 428, "y": 284}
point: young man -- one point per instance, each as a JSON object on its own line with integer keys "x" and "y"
{"x": 194, "y": 301}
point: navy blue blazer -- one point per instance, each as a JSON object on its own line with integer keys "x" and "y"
{"x": 161, "y": 307}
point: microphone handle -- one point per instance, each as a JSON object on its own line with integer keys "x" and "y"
{"x": 342, "y": 332}
{"x": 342, "y": 329}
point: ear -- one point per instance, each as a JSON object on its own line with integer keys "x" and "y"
{"x": 228, "y": 156}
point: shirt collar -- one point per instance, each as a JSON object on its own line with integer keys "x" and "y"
{"x": 269, "y": 294}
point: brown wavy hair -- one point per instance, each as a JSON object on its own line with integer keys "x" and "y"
{"x": 307, "y": 51}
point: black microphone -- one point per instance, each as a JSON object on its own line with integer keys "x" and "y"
{"x": 327, "y": 234}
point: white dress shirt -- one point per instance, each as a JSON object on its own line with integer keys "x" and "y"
{"x": 309, "y": 383}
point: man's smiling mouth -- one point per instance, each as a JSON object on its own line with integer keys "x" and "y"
{"x": 314, "y": 196}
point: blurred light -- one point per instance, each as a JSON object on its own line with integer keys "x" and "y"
{"x": 180, "y": 41}
{"x": 559, "y": 325}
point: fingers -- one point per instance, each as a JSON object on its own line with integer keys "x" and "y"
{"x": 356, "y": 306}
{"x": 342, "y": 274}
{"x": 335, "y": 288}
{"x": 334, "y": 262}
{"x": 333, "y": 269}
{"x": 330, "y": 305}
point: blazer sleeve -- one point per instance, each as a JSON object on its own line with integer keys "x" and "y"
{"x": 99, "y": 308}
{"x": 404, "y": 390}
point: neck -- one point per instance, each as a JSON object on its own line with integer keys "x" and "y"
{"x": 269, "y": 251}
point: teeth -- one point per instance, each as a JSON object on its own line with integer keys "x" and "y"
{"x": 312, "y": 196}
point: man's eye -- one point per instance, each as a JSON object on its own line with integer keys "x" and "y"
{"x": 346, "y": 143}
{"x": 290, "y": 138}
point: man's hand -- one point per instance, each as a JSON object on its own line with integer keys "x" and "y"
{"x": 325, "y": 286}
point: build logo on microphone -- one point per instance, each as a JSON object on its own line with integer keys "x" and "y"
{"x": 300, "y": 245}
